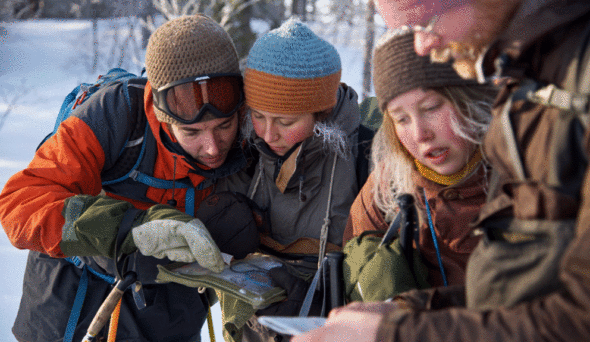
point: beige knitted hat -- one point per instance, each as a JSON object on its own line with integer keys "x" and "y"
{"x": 185, "y": 47}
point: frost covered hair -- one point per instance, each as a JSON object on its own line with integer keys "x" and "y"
{"x": 334, "y": 138}
{"x": 394, "y": 165}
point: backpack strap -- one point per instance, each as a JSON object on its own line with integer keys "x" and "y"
{"x": 132, "y": 153}
{"x": 81, "y": 294}
{"x": 575, "y": 98}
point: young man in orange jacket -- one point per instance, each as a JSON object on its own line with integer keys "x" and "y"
{"x": 60, "y": 205}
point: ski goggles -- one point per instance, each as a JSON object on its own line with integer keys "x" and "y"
{"x": 187, "y": 100}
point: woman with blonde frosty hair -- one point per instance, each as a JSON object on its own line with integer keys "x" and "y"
{"x": 429, "y": 145}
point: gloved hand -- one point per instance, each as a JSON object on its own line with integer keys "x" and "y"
{"x": 178, "y": 241}
{"x": 94, "y": 222}
{"x": 296, "y": 289}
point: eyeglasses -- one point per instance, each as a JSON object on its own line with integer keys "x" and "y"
{"x": 187, "y": 100}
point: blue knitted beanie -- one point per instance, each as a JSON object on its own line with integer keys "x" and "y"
{"x": 293, "y": 71}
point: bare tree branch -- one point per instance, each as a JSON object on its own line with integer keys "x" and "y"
{"x": 12, "y": 100}
{"x": 191, "y": 6}
{"x": 234, "y": 8}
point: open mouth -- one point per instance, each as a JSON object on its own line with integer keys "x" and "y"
{"x": 437, "y": 155}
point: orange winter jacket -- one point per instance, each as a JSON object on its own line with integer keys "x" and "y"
{"x": 71, "y": 163}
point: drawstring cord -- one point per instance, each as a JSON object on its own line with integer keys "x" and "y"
{"x": 324, "y": 231}
{"x": 431, "y": 225}
{"x": 257, "y": 180}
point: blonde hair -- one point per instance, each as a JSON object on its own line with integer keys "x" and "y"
{"x": 393, "y": 165}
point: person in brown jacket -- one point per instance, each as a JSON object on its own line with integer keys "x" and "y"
{"x": 428, "y": 145}
{"x": 529, "y": 277}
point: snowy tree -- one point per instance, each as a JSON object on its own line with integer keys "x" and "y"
{"x": 369, "y": 42}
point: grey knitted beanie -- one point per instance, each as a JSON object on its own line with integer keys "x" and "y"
{"x": 188, "y": 46}
{"x": 397, "y": 68}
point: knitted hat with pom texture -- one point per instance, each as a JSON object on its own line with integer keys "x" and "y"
{"x": 185, "y": 47}
{"x": 290, "y": 70}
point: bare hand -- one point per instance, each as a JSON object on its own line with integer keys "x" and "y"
{"x": 355, "y": 322}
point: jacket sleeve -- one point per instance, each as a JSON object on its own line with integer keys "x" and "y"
{"x": 32, "y": 201}
{"x": 364, "y": 215}
{"x": 560, "y": 316}
{"x": 54, "y": 206}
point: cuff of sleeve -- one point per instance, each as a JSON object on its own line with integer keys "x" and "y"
{"x": 91, "y": 224}
{"x": 388, "y": 325}
{"x": 163, "y": 212}
{"x": 128, "y": 245}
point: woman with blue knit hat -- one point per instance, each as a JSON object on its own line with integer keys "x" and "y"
{"x": 304, "y": 122}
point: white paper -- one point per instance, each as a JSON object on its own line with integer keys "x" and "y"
{"x": 291, "y": 325}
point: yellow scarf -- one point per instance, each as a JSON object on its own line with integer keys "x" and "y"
{"x": 455, "y": 177}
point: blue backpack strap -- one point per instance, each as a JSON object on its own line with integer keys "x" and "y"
{"x": 133, "y": 170}
{"x": 168, "y": 184}
{"x": 84, "y": 90}
{"x": 81, "y": 294}
{"x": 432, "y": 232}
{"x": 77, "y": 307}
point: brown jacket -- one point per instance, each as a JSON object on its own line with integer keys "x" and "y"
{"x": 554, "y": 188}
{"x": 453, "y": 208}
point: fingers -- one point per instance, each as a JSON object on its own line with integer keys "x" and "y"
{"x": 178, "y": 241}
{"x": 363, "y": 307}
{"x": 345, "y": 327}
{"x": 202, "y": 246}
{"x": 180, "y": 254}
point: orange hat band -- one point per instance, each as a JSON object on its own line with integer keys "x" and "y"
{"x": 283, "y": 95}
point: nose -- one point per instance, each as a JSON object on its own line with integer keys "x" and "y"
{"x": 424, "y": 42}
{"x": 211, "y": 145}
{"x": 422, "y": 131}
{"x": 270, "y": 132}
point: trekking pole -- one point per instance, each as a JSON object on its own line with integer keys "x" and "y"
{"x": 336, "y": 279}
{"x": 107, "y": 307}
{"x": 408, "y": 225}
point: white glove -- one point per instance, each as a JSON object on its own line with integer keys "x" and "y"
{"x": 179, "y": 241}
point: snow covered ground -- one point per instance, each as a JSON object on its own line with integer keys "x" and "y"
{"x": 41, "y": 61}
